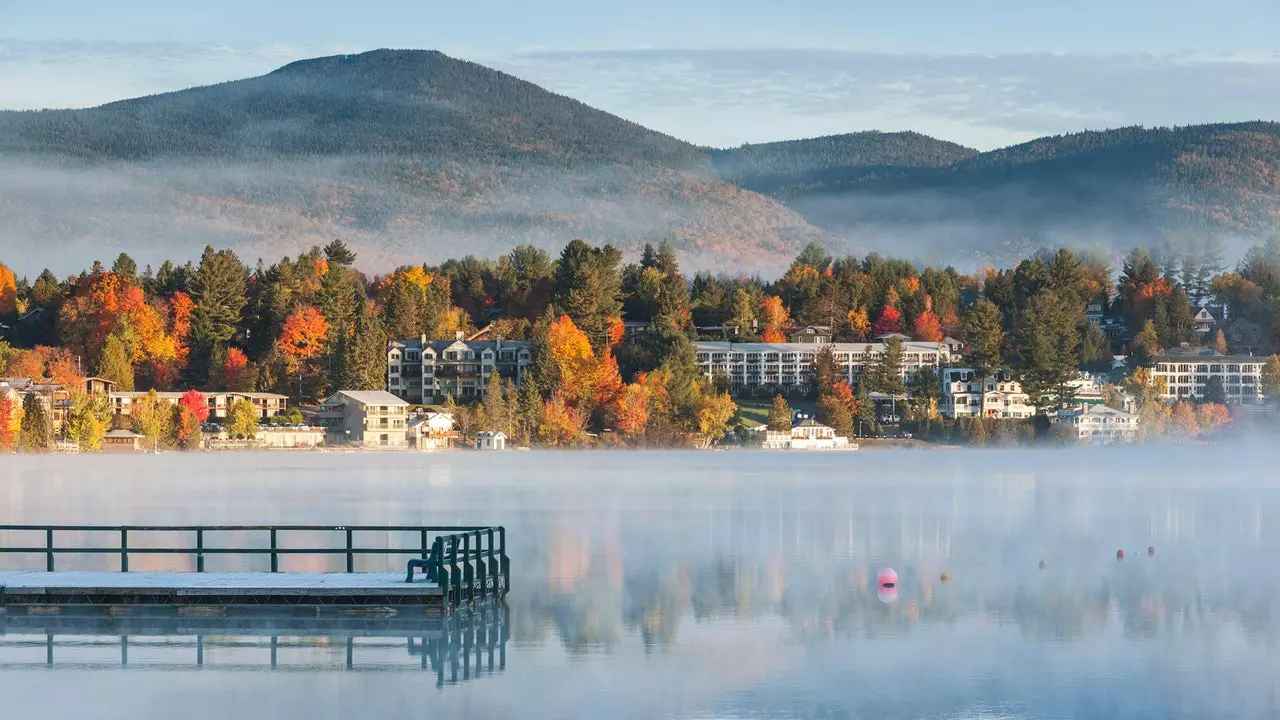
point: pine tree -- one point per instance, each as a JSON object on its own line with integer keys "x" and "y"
{"x": 984, "y": 337}
{"x": 1214, "y": 391}
{"x": 125, "y": 265}
{"x": 365, "y": 353}
{"x": 113, "y": 363}
{"x": 1047, "y": 342}
{"x": 36, "y": 432}
{"x": 530, "y": 409}
{"x": 867, "y": 421}
{"x": 218, "y": 290}
{"x": 886, "y": 375}
{"x": 826, "y": 371}
{"x": 495, "y": 406}
{"x": 338, "y": 253}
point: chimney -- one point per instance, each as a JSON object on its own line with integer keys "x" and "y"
{"x": 458, "y": 335}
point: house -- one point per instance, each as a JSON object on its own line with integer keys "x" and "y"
{"x": 266, "y": 404}
{"x": 1205, "y": 321}
{"x": 820, "y": 334}
{"x": 491, "y": 440}
{"x": 1186, "y": 376}
{"x": 55, "y": 398}
{"x": 432, "y": 431}
{"x": 954, "y": 346}
{"x": 755, "y": 367}
{"x": 426, "y": 371}
{"x": 268, "y": 437}
{"x": 364, "y": 418}
{"x": 122, "y": 441}
{"x": 964, "y": 394}
{"x": 99, "y": 386}
{"x": 1098, "y": 423}
{"x": 808, "y": 435}
{"x": 1244, "y": 337}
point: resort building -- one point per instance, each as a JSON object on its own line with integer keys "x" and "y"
{"x": 426, "y": 371}
{"x": 266, "y": 404}
{"x": 1098, "y": 423}
{"x": 808, "y": 435}
{"x": 364, "y": 418}
{"x": 784, "y": 367}
{"x": 1186, "y": 376}
{"x": 963, "y": 395}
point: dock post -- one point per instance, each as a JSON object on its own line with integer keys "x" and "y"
{"x": 48, "y": 553}
{"x": 468, "y": 578}
{"x": 502, "y": 559}
{"x": 124, "y": 550}
{"x": 351, "y": 558}
{"x": 199, "y": 550}
{"x": 275, "y": 560}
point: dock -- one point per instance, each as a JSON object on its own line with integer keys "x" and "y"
{"x": 446, "y": 568}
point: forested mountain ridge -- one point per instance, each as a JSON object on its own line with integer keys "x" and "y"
{"x": 411, "y": 156}
{"x": 1121, "y": 187}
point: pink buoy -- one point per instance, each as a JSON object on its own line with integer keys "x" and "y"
{"x": 1119, "y": 555}
{"x": 887, "y": 594}
{"x": 1151, "y": 551}
{"x": 887, "y": 578}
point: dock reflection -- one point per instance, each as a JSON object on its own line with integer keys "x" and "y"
{"x": 459, "y": 647}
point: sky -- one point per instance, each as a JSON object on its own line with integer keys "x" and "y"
{"x": 715, "y": 72}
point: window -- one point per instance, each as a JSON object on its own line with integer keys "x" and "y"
{"x": 384, "y": 439}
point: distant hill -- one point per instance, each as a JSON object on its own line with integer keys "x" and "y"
{"x": 795, "y": 167}
{"x": 1117, "y": 187}
{"x": 409, "y": 155}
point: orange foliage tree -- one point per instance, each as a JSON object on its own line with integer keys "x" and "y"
{"x": 1213, "y": 417}
{"x": 561, "y": 424}
{"x": 571, "y": 350}
{"x": 46, "y": 362}
{"x": 775, "y": 317}
{"x": 302, "y": 336}
{"x": 928, "y": 328}
{"x": 860, "y": 324}
{"x": 180, "y": 306}
{"x": 10, "y": 421}
{"x": 8, "y": 291}
{"x": 108, "y": 303}
{"x": 236, "y": 373}
{"x": 630, "y": 414}
{"x": 1184, "y": 419}
{"x": 195, "y": 402}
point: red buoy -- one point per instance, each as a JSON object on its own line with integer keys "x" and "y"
{"x": 1119, "y": 554}
{"x": 1151, "y": 551}
{"x": 887, "y": 578}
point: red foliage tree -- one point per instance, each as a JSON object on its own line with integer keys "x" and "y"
{"x": 928, "y": 328}
{"x": 8, "y": 423}
{"x": 196, "y": 403}
{"x": 890, "y": 321}
{"x": 302, "y": 336}
{"x": 236, "y": 373}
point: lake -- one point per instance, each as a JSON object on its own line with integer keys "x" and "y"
{"x": 699, "y": 585}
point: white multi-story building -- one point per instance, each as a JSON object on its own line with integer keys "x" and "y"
{"x": 808, "y": 435}
{"x": 1098, "y": 423}
{"x": 364, "y": 418}
{"x": 963, "y": 392}
{"x": 425, "y": 371}
{"x": 790, "y": 366}
{"x": 1186, "y": 376}
{"x": 266, "y": 404}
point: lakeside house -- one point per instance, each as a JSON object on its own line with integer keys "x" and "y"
{"x": 364, "y": 418}
{"x": 491, "y": 440}
{"x": 432, "y": 431}
{"x": 808, "y": 435}
{"x": 1098, "y": 423}
{"x": 425, "y": 371}
{"x": 121, "y": 440}
{"x": 1000, "y": 395}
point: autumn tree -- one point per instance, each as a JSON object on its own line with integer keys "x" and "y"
{"x": 8, "y": 292}
{"x": 859, "y": 324}
{"x": 715, "y": 411}
{"x": 1219, "y": 344}
{"x": 152, "y": 417}
{"x": 36, "y": 431}
{"x": 235, "y": 374}
{"x": 836, "y": 408}
{"x": 629, "y": 415}
{"x": 779, "y": 415}
{"x": 88, "y": 421}
{"x": 927, "y": 327}
{"x": 575, "y": 362}
{"x": 10, "y": 420}
{"x": 561, "y": 425}
{"x": 890, "y": 321}
{"x": 301, "y": 341}
{"x": 774, "y": 319}
{"x": 588, "y": 288}
{"x": 1185, "y": 421}
{"x": 242, "y": 419}
{"x": 114, "y": 365}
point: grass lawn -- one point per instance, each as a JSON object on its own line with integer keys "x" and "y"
{"x": 755, "y": 410}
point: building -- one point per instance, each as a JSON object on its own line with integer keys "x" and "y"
{"x": 1098, "y": 423}
{"x": 364, "y": 418}
{"x": 99, "y": 386}
{"x": 424, "y": 371}
{"x": 55, "y": 398}
{"x": 432, "y": 431}
{"x": 270, "y": 437}
{"x": 784, "y": 367}
{"x": 1205, "y": 321}
{"x": 122, "y": 441}
{"x": 808, "y": 435}
{"x": 266, "y": 404}
{"x": 491, "y": 440}
{"x": 963, "y": 393}
{"x": 820, "y": 334}
{"x": 1186, "y": 376}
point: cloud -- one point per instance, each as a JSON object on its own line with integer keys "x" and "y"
{"x": 727, "y": 97}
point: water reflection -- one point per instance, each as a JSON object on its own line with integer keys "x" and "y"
{"x": 744, "y": 584}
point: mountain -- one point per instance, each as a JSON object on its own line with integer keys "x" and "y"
{"x": 795, "y": 167}
{"x": 408, "y": 155}
{"x": 1116, "y": 188}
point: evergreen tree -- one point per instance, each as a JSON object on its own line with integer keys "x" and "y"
{"x": 544, "y": 370}
{"x": 46, "y": 289}
{"x": 125, "y": 265}
{"x": 588, "y": 288}
{"x": 867, "y": 420}
{"x": 113, "y": 363}
{"x": 218, "y": 291}
{"x": 530, "y": 410}
{"x": 36, "y": 432}
{"x": 743, "y": 319}
{"x": 1095, "y": 348}
{"x": 826, "y": 371}
{"x": 494, "y": 404}
{"x": 1047, "y": 342}
{"x": 364, "y": 359}
{"x": 984, "y": 337}
{"x": 1146, "y": 345}
{"x": 338, "y": 253}
{"x": 886, "y": 375}
{"x": 780, "y": 415}
{"x": 1214, "y": 392}
{"x": 402, "y": 311}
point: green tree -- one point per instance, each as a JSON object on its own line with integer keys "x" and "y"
{"x": 886, "y": 375}
{"x": 1145, "y": 347}
{"x": 217, "y": 288}
{"x": 242, "y": 419}
{"x": 113, "y": 363}
{"x": 984, "y": 334}
{"x": 365, "y": 361}
{"x": 1214, "y": 391}
{"x": 743, "y": 319}
{"x": 495, "y": 405}
{"x": 1095, "y": 348}
{"x": 826, "y": 371}
{"x": 338, "y": 253}
{"x": 36, "y": 431}
{"x": 1271, "y": 378}
{"x": 88, "y": 421}
{"x": 530, "y": 410}
{"x": 1047, "y": 342}
{"x": 125, "y": 265}
{"x": 868, "y": 422}
{"x": 588, "y": 288}
{"x": 152, "y": 416}
{"x": 780, "y": 415}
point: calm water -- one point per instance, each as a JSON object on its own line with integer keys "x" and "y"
{"x": 724, "y": 585}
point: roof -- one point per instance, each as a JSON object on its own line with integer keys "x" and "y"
{"x": 254, "y": 395}
{"x": 368, "y": 397}
{"x": 124, "y": 434}
{"x": 1214, "y": 359}
{"x": 16, "y": 383}
{"x": 474, "y": 345}
{"x": 1106, "y": 410}
{"x": 720, "y": 346}
{"x": 490, "y": 433}
{"x": 810, "y": 422}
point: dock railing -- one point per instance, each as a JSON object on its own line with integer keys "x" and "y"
{"x": 468, "y": 562}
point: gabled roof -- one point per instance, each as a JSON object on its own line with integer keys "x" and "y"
{"x": 367, "y": 397}
{"x": 124, "y": 434}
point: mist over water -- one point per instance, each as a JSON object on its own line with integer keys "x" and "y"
{"x": 734, "y": 584}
